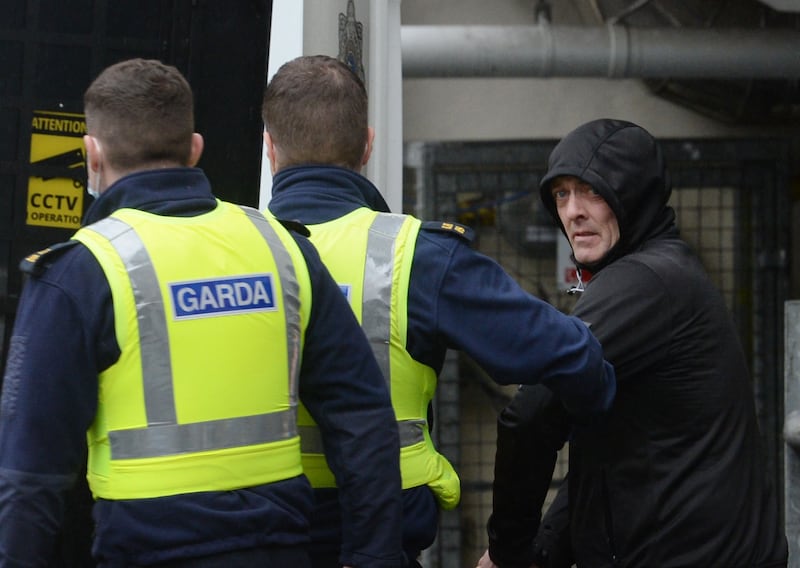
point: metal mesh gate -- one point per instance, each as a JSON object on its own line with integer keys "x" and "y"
{"x": 731, "y": 201}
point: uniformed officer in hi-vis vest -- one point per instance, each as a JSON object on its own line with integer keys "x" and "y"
{"x": 180, "y": 332}
{"x": 417, "y": 289}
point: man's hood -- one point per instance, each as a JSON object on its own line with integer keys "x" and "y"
{"x": 624, "y": 163}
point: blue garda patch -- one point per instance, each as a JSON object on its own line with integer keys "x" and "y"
{"x": 345, "y": 288}
{"x": 225, "y": 296}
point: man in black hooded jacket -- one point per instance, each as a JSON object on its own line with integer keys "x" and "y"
{"x": 674, "y": 475}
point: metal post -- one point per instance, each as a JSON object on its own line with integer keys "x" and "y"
{"x": 792, "y": 429}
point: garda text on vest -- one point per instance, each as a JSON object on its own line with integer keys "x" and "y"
{"x": 223, "y": 296}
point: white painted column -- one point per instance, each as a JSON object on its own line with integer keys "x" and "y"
{"x": 385, "y": 87}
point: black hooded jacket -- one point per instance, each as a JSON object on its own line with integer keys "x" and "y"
{"x": 674, "y": 476}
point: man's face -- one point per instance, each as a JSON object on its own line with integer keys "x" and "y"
{"x": 591, "y": 226}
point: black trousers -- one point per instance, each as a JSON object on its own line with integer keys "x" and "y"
{"x": 250, "y": 558}
{"x": 331, "y": 560}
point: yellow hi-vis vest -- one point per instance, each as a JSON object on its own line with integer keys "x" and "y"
{"x": 369, "y": 255}
{"x": 210, "y": 313}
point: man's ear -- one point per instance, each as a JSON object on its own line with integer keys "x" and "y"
{"x": 93, "y": 156}
{"x": 269, "y": 147}
{"x": 196, "y": 151}
{"x": 368, "y": 145}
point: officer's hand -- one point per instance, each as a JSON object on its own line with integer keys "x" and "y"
{"x": 486, "y": 562}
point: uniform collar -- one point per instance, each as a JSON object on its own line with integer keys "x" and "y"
{"x": 316, "y": 194}
{"x": 180, "y": 192}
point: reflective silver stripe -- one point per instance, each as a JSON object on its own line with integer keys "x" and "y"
{"x": 411, "y": 432}
{"x": 159, "y": 398}
{"x": 290, "y": 296}
{"x": 376, "y": 305}
{"x": 163, "y": 435}
{"x": 165, "y": 440}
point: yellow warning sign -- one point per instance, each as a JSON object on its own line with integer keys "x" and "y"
{"x": 56, "y": 184}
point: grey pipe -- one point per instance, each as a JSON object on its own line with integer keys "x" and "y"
{"x": 615, "y": 51}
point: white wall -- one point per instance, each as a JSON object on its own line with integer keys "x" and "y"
{"x": 486, "y": 109}
{"x": 286, "y": 43}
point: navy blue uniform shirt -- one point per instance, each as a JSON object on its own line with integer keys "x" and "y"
{"x": 64, "y": 337}
{"x": 463, "y": 300}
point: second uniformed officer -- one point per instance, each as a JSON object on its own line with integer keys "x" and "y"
{"x": 417, "y": 288}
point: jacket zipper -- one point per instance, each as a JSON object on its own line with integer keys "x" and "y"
{"x": 609, "y": 519}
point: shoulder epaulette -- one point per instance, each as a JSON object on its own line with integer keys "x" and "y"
{"x": 295, "y": 226}
{"x": 37, "y": 263}
{"x": 451, "y": 228}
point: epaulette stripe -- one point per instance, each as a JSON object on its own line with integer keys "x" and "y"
{"x": 34, "y": 263}
{"x": 462, "y": 231}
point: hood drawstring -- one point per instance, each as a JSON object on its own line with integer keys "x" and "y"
{"x": 578, "y": 288}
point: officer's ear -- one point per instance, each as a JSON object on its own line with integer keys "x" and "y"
{"x": 196, "y": 151}
{"x": 93, "y": 152}
{"x": 368, "y": 145}
{"x": 269, "y": 147}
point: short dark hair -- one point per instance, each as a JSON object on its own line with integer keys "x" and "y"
{"x": 143, "y": 113}
{"x": 315, "y": 110}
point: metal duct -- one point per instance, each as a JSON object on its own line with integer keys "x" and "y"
{"x": 614, "y": 50}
